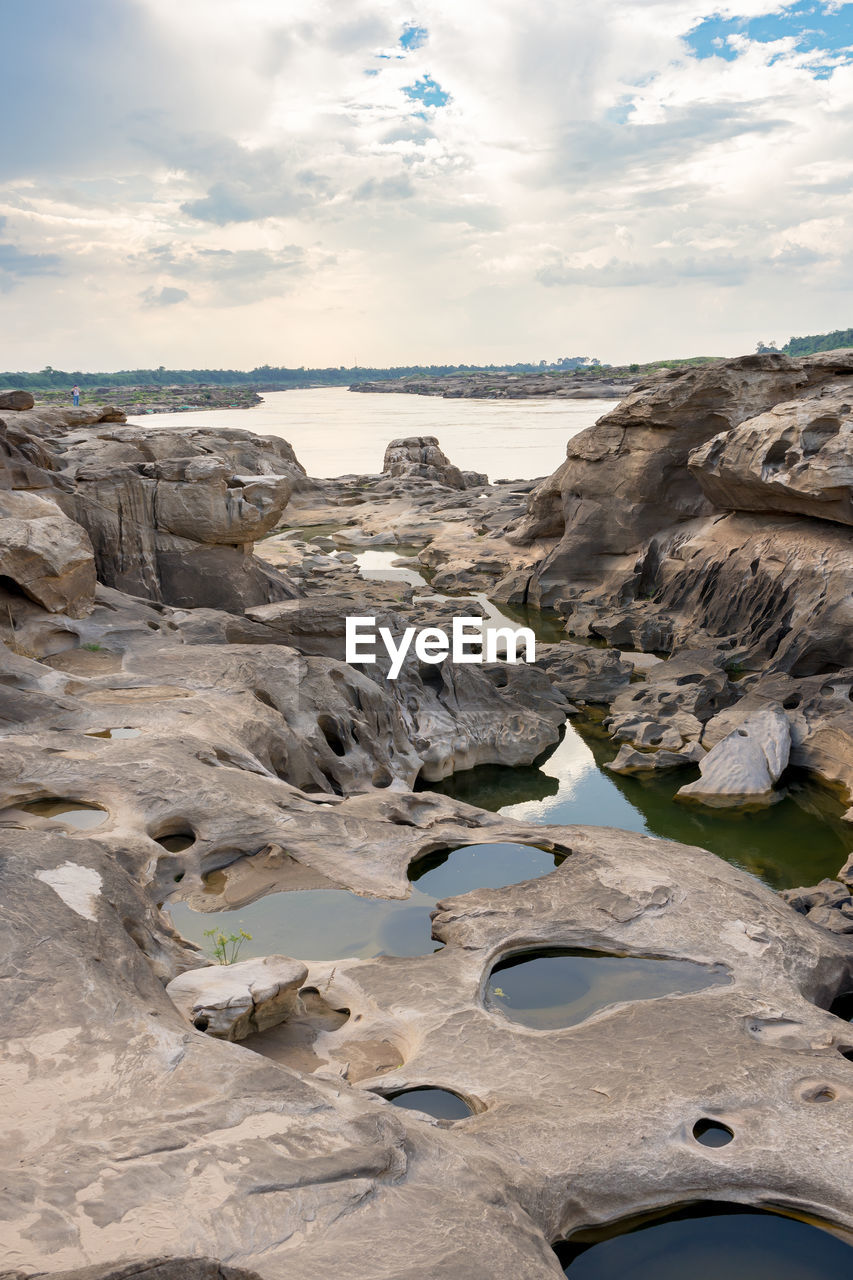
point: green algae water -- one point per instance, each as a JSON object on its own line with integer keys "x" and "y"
{"x": 712, "y": 1242}
{"x": 797, "y": 841}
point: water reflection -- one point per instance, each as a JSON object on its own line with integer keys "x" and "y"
{"x": 331, "y": 924}
{"x": 797, "y": 841}
{"x": 710, "y": 1241}
{"x": 560, "y": 987}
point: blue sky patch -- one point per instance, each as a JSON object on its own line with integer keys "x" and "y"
{"x": 413, "y": 37}
{"x": 816, "y": 26}
{"x": 427, "y": 91}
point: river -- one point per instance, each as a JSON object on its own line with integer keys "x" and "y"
{"x": 336, "y": 432}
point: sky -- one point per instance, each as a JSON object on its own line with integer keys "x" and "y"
{"x": 227, "y": 183}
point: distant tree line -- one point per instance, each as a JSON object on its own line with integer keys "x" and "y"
{"x": 266, "y": 375}
{"x": 808, "y": 346}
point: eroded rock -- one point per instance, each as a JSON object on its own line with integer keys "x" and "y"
{"x": 231, "y": 1001}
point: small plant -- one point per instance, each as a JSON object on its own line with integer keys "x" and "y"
{"x": 93, "y": 648}
{"x": 226, "y": 947}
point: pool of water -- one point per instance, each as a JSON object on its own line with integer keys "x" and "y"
{"x": 795, "y": 842}
{"x": 440, "y": 1103}
{"x": 332, "y": 924}
{"x": 713, "y": 1242}
{"x": 558, "y": 987}
{"x": 71, "y": 813}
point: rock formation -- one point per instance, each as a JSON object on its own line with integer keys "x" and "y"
{"x": 190, "y": 717}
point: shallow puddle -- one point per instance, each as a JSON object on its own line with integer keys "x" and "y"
{"x": 331, "y": 924}
{"x": 440, "y": 1103}
{"x": 713, "y": 1242}
{"x": 555, "y": 988}
{"x": 71, "y": 813}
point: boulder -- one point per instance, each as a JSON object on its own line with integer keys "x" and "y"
{"x": 45, "y": 554}
{"x": 421, "y": 458}
{"x": 797, "y": 457}
{"x": 630, "y": 761}
{"x": 746, "y": 764}
{"x": 230, "y": 1001}
{"x": 16, "y": 400}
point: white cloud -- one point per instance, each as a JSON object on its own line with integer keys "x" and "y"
{"x": 584, "y": 162}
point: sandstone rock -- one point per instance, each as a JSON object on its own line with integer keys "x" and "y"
{"x": 419, "y": 457}
{"x": 584, "y": 673}
{"x": 744, "y": 766}
{"x": 16, "y": 400}
{"x": 626, "y": 478}
{"x": 797, "y": 457}
{"x": 677, "y": 698}
{"x": 630, "y": 761}
{"x": 47, "y": 555}
{"x": 230, "y": 1001}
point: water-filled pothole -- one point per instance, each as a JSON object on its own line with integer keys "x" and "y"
{"x": 71, "y": 813}
{"x": 439, "y": 1103}
{"x": 711, "y": 1133}
{"x": 177, "y": 842}
{"x": 332, "y": 924}
{"x": 118, "y": 732}
{"x": 559, "y": 987}
{"x": 705, "y": 1242}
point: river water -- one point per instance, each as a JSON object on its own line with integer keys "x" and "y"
{"x": 336, "y": 432}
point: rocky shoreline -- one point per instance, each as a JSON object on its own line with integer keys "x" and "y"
{"x": 157, "y": 399}
{"x": 173, "y": 669}
{"x": 506, "y": 386}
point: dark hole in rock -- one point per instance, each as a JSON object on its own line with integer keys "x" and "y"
{"x": 440, "y": 1103}
{"x": 707, "y": 1241}
{"x": 847, "y": 1053}
{"x": 823, "y": 1094}
{"x": 842, "y": 1006}
{"x": 331, "y": 733}
{"x": 382, "y": 778}
{"x": 115, "y": 733}
{"x": 794, "y": 701}
{"x": 711, "y": 1133}
{"x": 71, "y": 813}
{"x": 264, "y": 698}
{"x": 334, "y": 785}
{"x": 177, "y": 841}
{"x": 556, "y": 987}
{"x": 431, "y": 678}
{"x": 179, "y": 877}
{"x": 201, "y": 1023}
{"x": 775, "y": 455}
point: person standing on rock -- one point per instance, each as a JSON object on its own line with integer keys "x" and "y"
{"x": 75, "y": 395}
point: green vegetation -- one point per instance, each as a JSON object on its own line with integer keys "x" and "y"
{"x": 811, "y": 344}
{"x": 52, "y": 383}
{"x": 264, "y": 377}
{"x": 226, "y": 947}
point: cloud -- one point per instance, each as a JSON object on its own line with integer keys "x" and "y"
{"x": 17, "y": 265}
{"x": 444, "y": 180}
{"x": 168, "y": 296}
